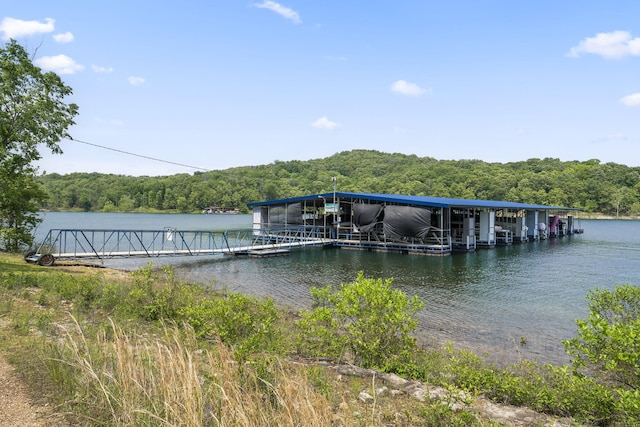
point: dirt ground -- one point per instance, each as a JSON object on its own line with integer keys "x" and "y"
{"x": 16, "y": 406}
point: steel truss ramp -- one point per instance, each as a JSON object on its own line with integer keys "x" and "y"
{"x": 77, "y": 244}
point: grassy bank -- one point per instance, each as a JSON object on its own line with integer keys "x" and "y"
{"x": 143, "y": 348}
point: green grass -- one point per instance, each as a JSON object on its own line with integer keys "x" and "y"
{"x": 12, "y": 263}
{"x": 109, "y": 348}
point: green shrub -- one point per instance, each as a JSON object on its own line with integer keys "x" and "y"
{"x": 319, "y": 333}
{"x": 112, "y": 296}
{"x": 18, "y": 280}
{"x": 248, "y": 324}
{"x": 627, "y": 407}
{"x": 366, "y": 318}
{"x": 545, "y": 388}
{"x": 82, "y": 290}
{"x": 608, "y": 342}
{"x": 157, "y": 294}
{"x": 446, "y": 366}
{"x": 553, "y": 390}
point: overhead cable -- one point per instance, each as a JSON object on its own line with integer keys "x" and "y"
{"x": 139, "y": 155}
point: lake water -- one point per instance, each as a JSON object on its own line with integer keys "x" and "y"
{"x": 507, "y": 303}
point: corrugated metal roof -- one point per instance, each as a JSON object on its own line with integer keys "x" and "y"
{"x": 441, "y": 202}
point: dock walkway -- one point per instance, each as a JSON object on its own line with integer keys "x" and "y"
{"x": 75, "y": 244}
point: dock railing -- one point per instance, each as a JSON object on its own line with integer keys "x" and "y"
{"x": 104, "y": 243}
{"x": 101, "y": 244}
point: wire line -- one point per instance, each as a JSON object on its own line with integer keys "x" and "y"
{"x": 139, "y": 155}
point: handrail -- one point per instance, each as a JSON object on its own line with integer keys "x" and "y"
{"x": 108, "y": 243}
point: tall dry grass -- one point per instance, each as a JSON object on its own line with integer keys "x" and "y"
{"x": 129, "y": 379}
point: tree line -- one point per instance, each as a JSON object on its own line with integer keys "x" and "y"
{"x": 608, "y": 188}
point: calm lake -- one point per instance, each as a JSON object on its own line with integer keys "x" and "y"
{"x": 508, "y": 303}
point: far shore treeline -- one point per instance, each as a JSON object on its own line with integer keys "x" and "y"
{"x": 605, "y": 188}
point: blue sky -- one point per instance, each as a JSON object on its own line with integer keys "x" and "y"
{"x": 223, "y": 83}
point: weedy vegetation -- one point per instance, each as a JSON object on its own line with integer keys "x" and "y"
{"x": 109, "y": 348}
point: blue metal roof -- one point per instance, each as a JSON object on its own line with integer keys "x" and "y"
{"x": 441, "y": 202}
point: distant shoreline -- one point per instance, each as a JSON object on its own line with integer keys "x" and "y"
{"x": 581, "y": 215}
{"x": 600, "y": 216}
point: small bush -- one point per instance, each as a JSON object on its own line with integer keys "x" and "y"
{"x": 157, "y": 295}
{"x": 545, "y": 388}
{"x": 248, "y": 324}
{"x": 367, "y": 318}
{"x": 553, "y": 390}
{"x": 82, "y": 290}
{"x": 112, "y": 296}
{"x": 19, "y": 280}
{"x": 608, "y": 342}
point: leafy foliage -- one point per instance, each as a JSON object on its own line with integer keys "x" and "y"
{"x": 367, "y": 318}
{"x": 555, "y": 390}
{"x": 32, "y": 113}
{"x": 608, "y": 342}
{"x": 606, "y": 188}
{"x": 157, "y": 295}
{"x": 248, "y": 324}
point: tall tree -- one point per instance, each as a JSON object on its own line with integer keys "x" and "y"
{"x": 32, "y": 114}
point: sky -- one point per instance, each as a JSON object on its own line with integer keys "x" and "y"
{"x": 178, "y": 87}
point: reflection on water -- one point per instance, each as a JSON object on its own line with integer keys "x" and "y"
{"x": 490, "y": 300}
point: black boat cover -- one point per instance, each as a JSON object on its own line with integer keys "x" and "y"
{"x": 366, "y": 216}
{"x": 406, "y": 221}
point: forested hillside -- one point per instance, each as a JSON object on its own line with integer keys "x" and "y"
{"x": 595, "y": 187}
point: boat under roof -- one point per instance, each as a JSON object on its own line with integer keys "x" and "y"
{"x": 409, "y": 224}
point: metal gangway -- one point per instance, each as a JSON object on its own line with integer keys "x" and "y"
{"x": 101, "y": 244}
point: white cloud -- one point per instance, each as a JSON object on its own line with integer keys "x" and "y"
{"x": 136, "y": 81}
{"x": 616, "y": 44}
{"x": 63, "y": 37}
{"x": 99, "y": 69}
{"x": 280, "y": 10}
{"x": 632, "y": 100}
{"x": 405, "y": 88}
{"x": 60, "y": 64}
{"x": 324, "y": 123}
{"x": 14, "y": 28}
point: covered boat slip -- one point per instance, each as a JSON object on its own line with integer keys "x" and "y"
{"x": 410, "y": 224}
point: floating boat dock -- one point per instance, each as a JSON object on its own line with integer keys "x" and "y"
{"x": 414, "y": 224}
{"x": 357, "y": 221}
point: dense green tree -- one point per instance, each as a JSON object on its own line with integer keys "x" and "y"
{"x": 32, "y": 114}
{"x": 588, "y": 185}
{"x": 621, "y": 198}
{"x": 126, "y": 203}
